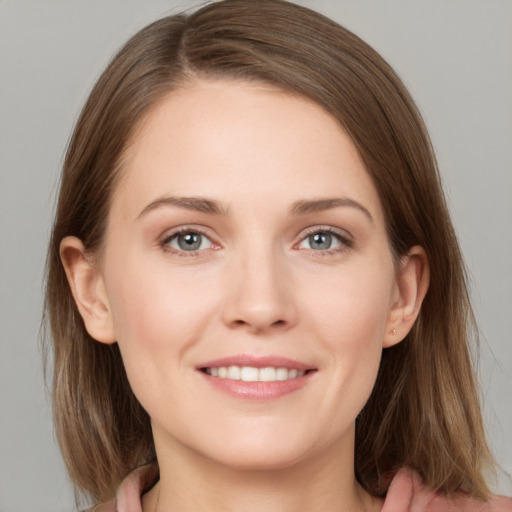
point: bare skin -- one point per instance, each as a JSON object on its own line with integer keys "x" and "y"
{"x": 246, "y": 228}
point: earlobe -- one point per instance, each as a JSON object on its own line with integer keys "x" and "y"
{"x": 412, "y": 283}
{"x": 88, "y": 290}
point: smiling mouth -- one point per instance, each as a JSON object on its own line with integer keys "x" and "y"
{"x": 253, "y": 374}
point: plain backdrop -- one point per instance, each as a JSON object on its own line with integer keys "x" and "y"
{"x": 454, "y": 55}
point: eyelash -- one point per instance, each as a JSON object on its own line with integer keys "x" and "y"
{"x": 164, "y": 244}
{"x": 345, "y": 241}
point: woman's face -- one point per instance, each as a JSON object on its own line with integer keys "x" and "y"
{"x": 247, "y": 241}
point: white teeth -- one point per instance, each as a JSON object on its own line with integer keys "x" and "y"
{"x": 251, "y": 374}
{"x": 234, "y": 372}
{"x": 267, "y": 374}
{"x": 281, "y": 374}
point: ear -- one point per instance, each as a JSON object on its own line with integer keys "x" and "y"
{"x": 412, "y": 283}
{"x": 88, "y": 289}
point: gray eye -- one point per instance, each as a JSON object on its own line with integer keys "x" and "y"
{"x": 190, "y": 241}
{"x": 320, "y": 241}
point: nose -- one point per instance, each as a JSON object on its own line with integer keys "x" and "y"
{"x": 260, "y": 294}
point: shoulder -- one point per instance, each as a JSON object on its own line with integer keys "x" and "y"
{"x": 107, "y": 506}
{"x": 128, "y": 496}
{"x": 407, "y": 493}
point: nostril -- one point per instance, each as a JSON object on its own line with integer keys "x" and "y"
{"x": 259, "y": 325}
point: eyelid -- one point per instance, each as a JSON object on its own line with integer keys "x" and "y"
{"x": 169, "y": 235}
{"x": 343, "y": 236}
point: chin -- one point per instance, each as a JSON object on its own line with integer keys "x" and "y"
{"x": 259, "y": 459}
{"x": 265, "y": 449}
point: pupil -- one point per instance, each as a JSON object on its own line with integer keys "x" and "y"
{"x": 320, "y": 241}
{"x": 189, "y": 241}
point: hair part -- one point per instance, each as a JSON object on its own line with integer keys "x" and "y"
{"x": 423, "y": 411}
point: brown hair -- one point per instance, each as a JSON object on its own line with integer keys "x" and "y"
{"x": 423, "y": 411}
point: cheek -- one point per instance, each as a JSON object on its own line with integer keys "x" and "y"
{"x": 150, "y": 302}
{"x": 352, "y": 306}
{"x": 157, "y": 316}
{"x": 350, "y": 317}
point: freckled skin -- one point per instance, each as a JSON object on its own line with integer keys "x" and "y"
{"x": 256, "y": 286}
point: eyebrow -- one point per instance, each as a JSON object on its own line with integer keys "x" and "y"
{"x": 199, "y": 204}
{"x": 309, "y": 206}
{"x": 302, "y": 207}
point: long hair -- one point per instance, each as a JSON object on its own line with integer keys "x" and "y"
{"x": 423, "y": 411}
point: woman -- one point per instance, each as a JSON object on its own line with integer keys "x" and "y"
{"x": 253, "y": 279}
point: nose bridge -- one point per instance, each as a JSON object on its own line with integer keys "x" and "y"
{"x": 259, "y": 294}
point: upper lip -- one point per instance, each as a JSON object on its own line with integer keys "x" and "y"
{"x": 257, "y": 362}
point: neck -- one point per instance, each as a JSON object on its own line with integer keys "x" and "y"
{"x": 190, "y": 482}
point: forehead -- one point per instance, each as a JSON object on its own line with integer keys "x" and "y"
{"x": 239, "y": 141}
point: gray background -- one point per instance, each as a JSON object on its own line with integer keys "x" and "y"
{"x": 456, "y": 57}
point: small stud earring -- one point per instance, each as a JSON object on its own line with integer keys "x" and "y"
{"x": 393, "y": 332}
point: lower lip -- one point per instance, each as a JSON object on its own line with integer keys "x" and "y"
{"x": 258, "y": 390}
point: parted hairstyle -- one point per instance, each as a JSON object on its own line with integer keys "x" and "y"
{"x": 424, "y": 410}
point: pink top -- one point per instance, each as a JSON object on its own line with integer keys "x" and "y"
{"x": 406, "y": 494}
